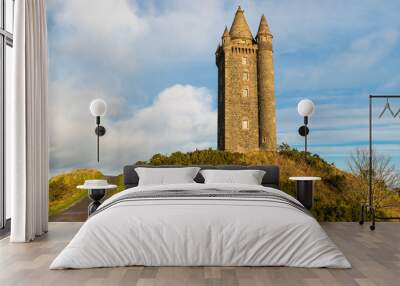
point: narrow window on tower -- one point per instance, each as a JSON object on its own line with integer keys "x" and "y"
{"x": 245, "y": 124}
{"x": 245, "y": 92}
{"x": 244, "y": 61}
{"x": 245, "y": 76}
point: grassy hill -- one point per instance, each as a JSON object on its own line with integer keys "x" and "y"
{"x": 338, "y": 195}
{"x": 62, "y": 188}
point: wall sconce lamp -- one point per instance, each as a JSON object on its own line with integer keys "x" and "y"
{"x": 98, "y": 108}
{"x": 305, "y": 108}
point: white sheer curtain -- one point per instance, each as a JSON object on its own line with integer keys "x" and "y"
{"x": 28, "y": 157}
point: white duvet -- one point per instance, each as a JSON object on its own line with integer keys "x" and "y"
{"x": 200, "y": 231}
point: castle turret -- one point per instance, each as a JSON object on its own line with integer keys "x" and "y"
{"x": 266, "y": 95}
{"x": 263, "y": 29}
{"x": 221, "y": 55}
{"x": 226, "y": 38}
{"x": 240, "y": 29}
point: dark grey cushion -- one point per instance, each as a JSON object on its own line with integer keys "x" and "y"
{"x": 270, "y": 179}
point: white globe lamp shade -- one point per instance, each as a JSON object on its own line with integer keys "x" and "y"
{"x": 98, "y": 107}
{"x": 305, "y": 107}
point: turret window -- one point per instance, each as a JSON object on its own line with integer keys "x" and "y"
{"x": 244, "y": 61}
{"x": 245, "y": 92}
{"x": 245, "y": 76}
{"x": 245, "y": 124}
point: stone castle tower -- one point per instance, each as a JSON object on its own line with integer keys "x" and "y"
{"x": 246, "y": 101}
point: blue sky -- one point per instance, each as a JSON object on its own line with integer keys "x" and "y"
{"x": 154, "y": 64}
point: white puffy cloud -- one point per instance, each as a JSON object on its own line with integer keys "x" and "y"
{"x": 123, "y": 35}
{"x": 180, "y": 118}
{"x": 98, "y": 32}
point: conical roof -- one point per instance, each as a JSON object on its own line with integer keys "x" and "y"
{"x": 226, "y": 33}
{"x": 263, "y": 28}
{"x": 240, "y": 29}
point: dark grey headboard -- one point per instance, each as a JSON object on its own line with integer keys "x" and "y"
{"x": 271, "y": 177}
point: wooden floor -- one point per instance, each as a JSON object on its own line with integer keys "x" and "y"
{"x": 375, "y": 257}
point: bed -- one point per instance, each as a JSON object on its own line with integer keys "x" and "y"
{"x": 201, "y": 224}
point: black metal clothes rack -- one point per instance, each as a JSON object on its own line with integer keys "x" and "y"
{"x": 369, "y": 208}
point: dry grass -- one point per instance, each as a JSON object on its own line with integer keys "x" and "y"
{"x": 62, "y": 188}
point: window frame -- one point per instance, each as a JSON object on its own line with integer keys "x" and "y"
{"x": 245, "y": 92}
{"x": 6, "y": 39}
{"x": 245, "y": 127}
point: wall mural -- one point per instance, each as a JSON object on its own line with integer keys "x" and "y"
{"x": 207, "y": 82}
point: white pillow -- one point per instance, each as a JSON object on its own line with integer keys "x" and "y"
{"x": 165, "y": 176}
{"x": 248, "y": 177}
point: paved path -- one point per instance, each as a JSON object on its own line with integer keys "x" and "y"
{"x": 78, "y": 212}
